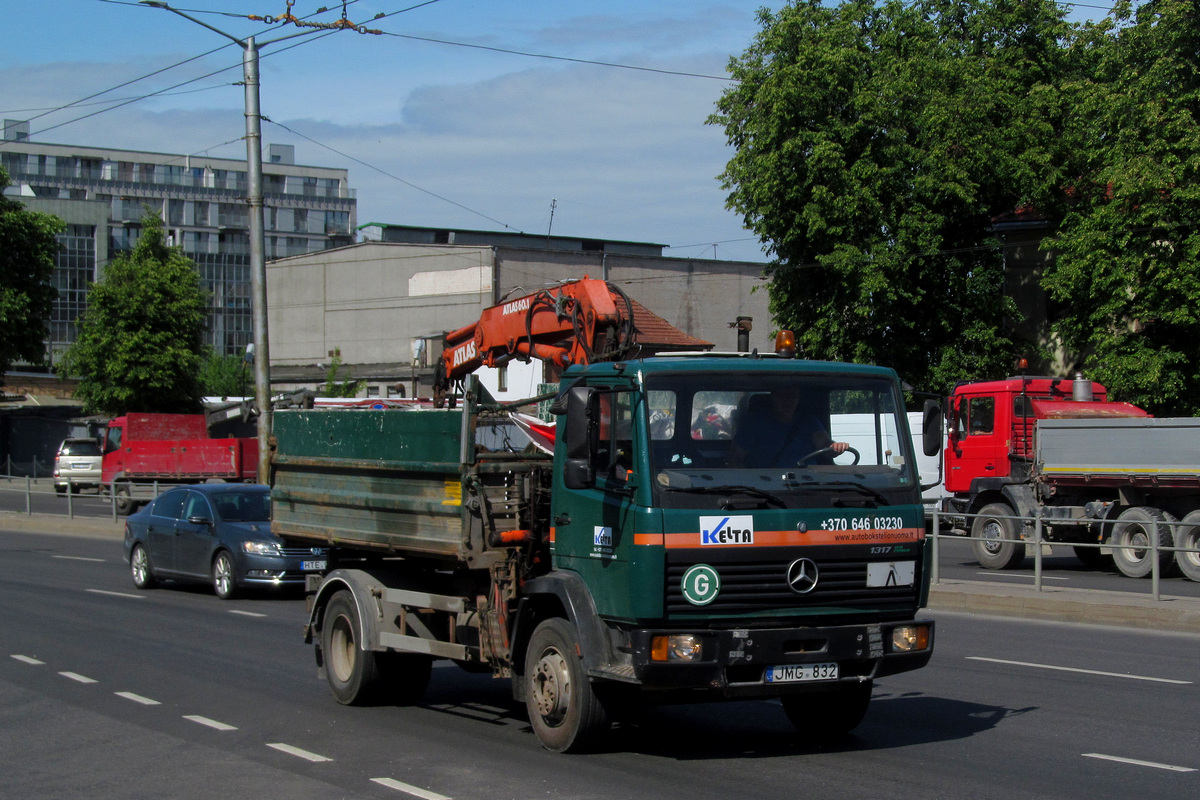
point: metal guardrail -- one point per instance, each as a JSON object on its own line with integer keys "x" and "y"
{"x": 1153, "y": 548}
{"x": 28, "y": 487}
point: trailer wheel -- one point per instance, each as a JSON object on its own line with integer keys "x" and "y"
{"x": 565, "y": 712}
{"x": 1187, "y": 536}
{"x": 988, "y": 530}
{"x": 818, "y": 715}
{"x": 1133, "y": 530}
{"x": 350, "y": 671}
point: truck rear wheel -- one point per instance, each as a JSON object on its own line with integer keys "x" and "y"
{"x": 1131, "y": 540}
{"x": 988, "y": 531}
{"x": 350, "y": 671}
{"x": 838, "y": 712}
{"x": 565, "y": 712}
{"x": 1187, "y": 536}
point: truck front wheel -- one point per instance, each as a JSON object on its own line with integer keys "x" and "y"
{"x": 564, "y": 710}
{"x": 989, "y": 531}
{"x": 1187, "y": 537}
{"x": 1132, "y": 536}
{"x": 828, "y": 713}
{"x": 123, "y": 498}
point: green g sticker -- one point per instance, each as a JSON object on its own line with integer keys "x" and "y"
{"x": 701, "y": 584}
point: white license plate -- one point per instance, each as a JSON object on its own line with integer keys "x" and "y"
{"x": 79, "y": 466}
{"x": 312, "y": 566}
{"x": 802, "y": 673}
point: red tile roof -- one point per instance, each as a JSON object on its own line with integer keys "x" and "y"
{"x": 656, "y": 334}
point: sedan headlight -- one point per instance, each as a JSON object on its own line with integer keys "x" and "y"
{"x": 262, "y": 548}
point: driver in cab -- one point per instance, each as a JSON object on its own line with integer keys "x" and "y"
{"x": 782, "y": 435}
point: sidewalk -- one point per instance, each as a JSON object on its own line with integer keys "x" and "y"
{"x": 1125, "y": 609}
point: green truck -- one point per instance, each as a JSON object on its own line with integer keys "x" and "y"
{"x": 660, "y": 554}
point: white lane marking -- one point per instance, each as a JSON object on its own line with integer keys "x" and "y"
{"x": 137, "y": 698}
{"x": 75, "y": 676}
{"x": 80, "y": 558}
{"x": 1007, "y": 575}
{"x": 118, "y": 594}
{"x": 1138, "y": 763}
{"x": 212, "y": 723}
{"x": 28, "y": 660}
{"x": 296, "y": 751}
{"x": 413, "y": 790}
{"x": 1082, "y": 671}
{"x": 246, "y": 613}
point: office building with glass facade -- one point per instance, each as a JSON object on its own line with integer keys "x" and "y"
{"x": 103, "y": 195}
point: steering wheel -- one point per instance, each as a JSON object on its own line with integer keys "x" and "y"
{"x": 826, "y": 450}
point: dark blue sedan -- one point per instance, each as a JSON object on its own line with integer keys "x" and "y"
{"x": 218, "y": 533}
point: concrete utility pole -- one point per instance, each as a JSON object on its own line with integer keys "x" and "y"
{"x": 254, "y": 198}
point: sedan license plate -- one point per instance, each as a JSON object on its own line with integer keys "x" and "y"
{"x": 312, "y": 566}
{"x": 802, "y": 673}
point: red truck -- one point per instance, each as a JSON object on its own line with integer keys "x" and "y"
{"x": 1097, "y": 472}
{"x": 143, "y": 449}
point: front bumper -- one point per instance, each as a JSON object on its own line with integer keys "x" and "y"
{"x": 733, "y": 663}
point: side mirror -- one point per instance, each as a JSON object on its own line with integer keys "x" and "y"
{"x": 582, "y": 440}
{"x": 931, "y": 428}
{"x": 199, "y": 520}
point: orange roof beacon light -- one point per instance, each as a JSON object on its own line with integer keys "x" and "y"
{"x": 1022, "y": 364}
{"x": 785, "y": 344}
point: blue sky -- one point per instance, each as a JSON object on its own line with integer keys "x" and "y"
{"x": 623, "y": 154}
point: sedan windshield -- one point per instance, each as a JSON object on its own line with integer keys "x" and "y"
{"x": 767, "y": 438}
{"x": 243, "y": 506}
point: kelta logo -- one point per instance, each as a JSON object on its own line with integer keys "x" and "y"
{"x": 727, "y": 530}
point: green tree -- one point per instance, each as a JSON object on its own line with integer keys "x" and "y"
{"x": 27, "y": 249}
{"x": 1127, "y": 266}
{"x": 873, "y": 146}
{"x": 335, "y": 388}
{"x": 140, "y": 342}
{"x": 224, "y": 375}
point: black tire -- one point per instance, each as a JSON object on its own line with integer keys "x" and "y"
{"x": 60, "y": 490}
{"x": 140, "y": 567}
{"x": 1093, "y": 557}
{"x": 404, "y": 677}
{"x": 565, "y": 712}
{"x": 350, "y": 671}
{"x": 820, "y": 715}
{"x": 989, "y": 529}
{"x": 123, "y": 499}
{"x": 224, "y": 575}
{"x": 1133, "y": 529}
{"x": 1187, "y": 536}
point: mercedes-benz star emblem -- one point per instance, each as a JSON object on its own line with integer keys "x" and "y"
{"x": 802, "y": 575}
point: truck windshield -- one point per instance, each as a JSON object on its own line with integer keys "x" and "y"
{"x": 726, "y": 439}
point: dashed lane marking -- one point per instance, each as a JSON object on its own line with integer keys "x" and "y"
{"x": 246, "y": 613}
{"x": 1138, "y": 763}
{"x": 80, "y": 558}
{"x": 1081, "y": 671}
{"x": 296, "y": 751}
{"x": 118, "y": 594}
{"x": 137, "y": 698}
{"x": 75, "y": 676}
{"x": 407, "y": 789}
{"x": 28, "y": 660}
{"x": 212, "y": 723}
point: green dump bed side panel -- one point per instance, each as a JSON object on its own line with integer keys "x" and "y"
{"x": 380, "y": 480}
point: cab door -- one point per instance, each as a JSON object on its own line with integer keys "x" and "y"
{"x": 979, "y": 446}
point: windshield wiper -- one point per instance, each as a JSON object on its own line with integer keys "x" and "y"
{"x": 861, "y": 488}
{"x": 728, "y": 489}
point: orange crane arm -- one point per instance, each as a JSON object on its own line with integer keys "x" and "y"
{"x": 577, "y": 322}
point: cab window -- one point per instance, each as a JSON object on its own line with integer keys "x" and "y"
{"x": 981, "y": 416}
{"x": 614, "y": 456}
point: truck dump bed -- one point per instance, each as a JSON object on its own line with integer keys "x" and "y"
{"x": 1162, "y": 452}
{"x": 402, "y": 492}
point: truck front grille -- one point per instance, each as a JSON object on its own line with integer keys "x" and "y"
{"x": 756, "y": 586}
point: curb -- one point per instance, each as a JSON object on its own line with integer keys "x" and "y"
{"x": 62, "y": 525}
{"x": 1090, "y": 606}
